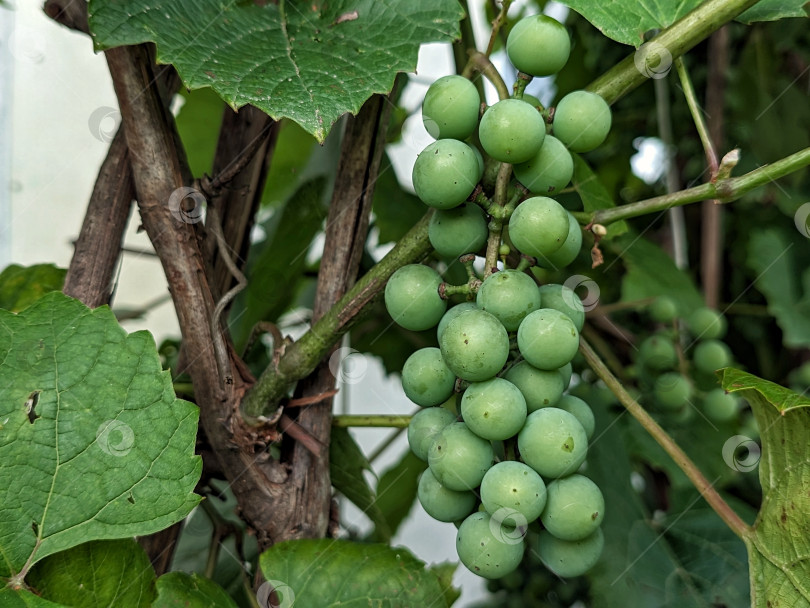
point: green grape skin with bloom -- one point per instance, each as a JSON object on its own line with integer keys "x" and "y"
{"x": 720, "y": 406}
{"x": 510, "y": 296}
{"x": 566, "y": 371}
{"x": 412, "y": 297}
{"x": 672, "y": 390}
{"x": 706, "y": 324}
{"x": 450, "y": 109}
{"x": 548, "y": 339}
{"x": 441, "y": 503}
{"x": 581, "y": 411}
{"x": 475, "y": 345}
{"x": 574, "y": 508}
{"x": 538, "y": 45}
{"x": 711, "y": 355}
{"x": 459, "y": 458}
{"x": 451, "y": 314}
{"x": 553, "y": 442}
{"x": 540, "y": 388}
{"x": 484, "y": 550}
{"x": 511, "y": 487}
{"x": 663, "y": 309}
{"x": 570, "y": 558}
{"x": 569, "y": 250}
{"x": 582, "y": 121}
{"x": 548, "y": 171}
{"x": 445, "y": 173}
{"x": 454, "y": 232}
{"x": 426, "y": 380}
{"x": 539, "y": 226}
{"x": 562, "y": 298}
{"x": 494, "y": 409}
{"x": 658, "y": 353}
{"x": 511, "y": 131}
{"x": 423, "y": 428}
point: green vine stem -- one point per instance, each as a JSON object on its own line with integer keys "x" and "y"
{"x": 496, "y": 25}
{"x": 704, "y": 486}
{"x": 372, "y": 420}
{"x": 697, "y": 116}
{"x": 496, "y": 223}
{"x": 725, "y": 189}
{"x": 481, "y": 63}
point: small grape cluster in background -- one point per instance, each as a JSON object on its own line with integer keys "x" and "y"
{"x": 503, "y": 442}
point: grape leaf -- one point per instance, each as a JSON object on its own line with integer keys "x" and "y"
{"x": 771, "y": 10}
{"x": 198, "y": 124}
{"x": 778, "y": 544}
{"x": 327, "y": 573}
{"x": 593, "y": 194}
{"x": 22, "y": 598}
{"x": 93, "y": 441}
{"x": 396, "y": 491}
{"x": 99, "y": 573}
{"x": 181, "y": 590}
{"x": 20, "y": 286}
{"x": 307, "y": 61}
{"x": 395, "y": 209}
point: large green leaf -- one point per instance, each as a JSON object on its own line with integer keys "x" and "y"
{"x": 778, "y": 545}
{"x": 22, "y": 598}
{"x": 198, "y": 124}
{"x": 395, "y": 210}
{"x": 594, "y": 195}
{"x": 307, "y": 61}
{"x": 99, "y": 573}
{"x": 93, "y": 444}
{"x": 396, "y": 491}
{"x": 771, "y": 10}
{"x": 181, "y": 590}
{"x": 20, "y": 286}
{"x": 324, "y": 573}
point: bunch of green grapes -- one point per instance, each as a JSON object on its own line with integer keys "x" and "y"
{"x": 509, "y": 455}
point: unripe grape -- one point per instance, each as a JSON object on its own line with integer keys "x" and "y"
{"x": 442, "y": 503}
{"x": 454, "y": 232}
{"x": 423, "y": 428}
{"x": 663, "y": 309}
{"x": 445, "y": 173}
{"x": 510, "y": 296}
{"x": 548, "y": 171}
{"x": 672, "y": 390}
{"x": 450, "y": 109}
{"x": 451, "y": 314}
{"x": 538, "y": 45}
{"x": 562, "y": 298}
{"x": 720, "y": 406}
{"x": 574, "y": 508}
{"x": 548, "y": 339}
{"x": 711, "y": 355}
{"x": 569, "y": 250}
{"x": 706, "y": 324}
{"x": 511, "y": 131}
{"x": 484, "y": 552}
{"x": 426, "y": 380}
{"x": 566, "y": 371}
{"x": 459, "y": 458}
{"x": 570, "y": 558}
{"x": 581, "y": 121}
{"x": 475, "y": 345}
{"x": 581, "y": 411}
{"x": 494, "y": 409}
{"x": 511, "y": 487}
{"x": 657, "y": 353}
{"x": 540, "y": 388}
{"x": 539, "y": 226}
{"x": 412, "y": 297}
{"x": 553, "y": 442}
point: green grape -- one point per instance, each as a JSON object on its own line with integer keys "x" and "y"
{"x": 540, "y": 388}
{"x": 513, "y": 488}
{"x": 426, "y": 380}
{"x": 581, "y": 411}
{"x": 459, "y": 458}
{"x": 423, "y": 428}
{"x": 711, "y": 355}
{"x": 445, "y": 173}
{"x": 511, "y": 131}
{"x": 569, "y": 250}
{"x": 548, "y": 339}
{"x": 538, "y": 45}
{"x": 475, "y": 345}
{"x": 484, "y": 550}
{"x": 513, "y": 581}
{"x": 510, "y": 296}
{"x": 553, "y": 442}
{"x": 663, "y": 309}
{"x": 570, "y": 558}
{"x": 566, "y": 371}
{"x": 450, "y": 109}
{"x": 532, "y": 100}
{"x": 442, "y": 503}
{"x": 706, "y": 324}
{"x": 454, "y": 232}
{"x": 452, "y": 314}
{"x": 562, "y": 298}
{"x": 539, "y": 226}
{"x": 548, "y": 171}
{"x": 657, "y": 353}
{"x": 494, "y": 409}
{"x": 581, "y": 121}
{"x": 412, "y": 297}
{"x": 574, "y": 509}
{"x": 720, "y": 406}
{"x": 672, "y": 390}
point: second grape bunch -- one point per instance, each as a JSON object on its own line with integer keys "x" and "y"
{"x": 504, "y": 443}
